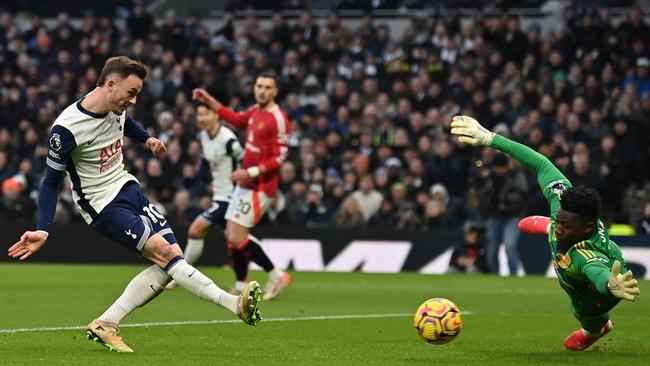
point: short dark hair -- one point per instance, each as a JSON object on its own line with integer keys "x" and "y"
{"x": 123, "y": 66}
{"x": 270, "y": 74}
{"x": 201, "y": 104}
{"x": 582, "y": 201}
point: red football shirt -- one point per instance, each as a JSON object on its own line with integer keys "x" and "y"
{"x": 267, "y": 137}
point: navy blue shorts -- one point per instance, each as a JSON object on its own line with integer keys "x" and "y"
{"x": 130, "y": 219}
{"x": 216, "y": 214}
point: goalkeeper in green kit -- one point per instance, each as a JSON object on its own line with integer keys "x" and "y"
{"x": 587, "y": 262}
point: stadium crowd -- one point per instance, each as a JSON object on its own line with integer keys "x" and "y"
{"x": 370, "y": 145}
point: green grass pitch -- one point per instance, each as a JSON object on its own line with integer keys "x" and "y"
{"x": 321, "y": 319}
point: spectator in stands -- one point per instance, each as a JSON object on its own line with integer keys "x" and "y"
{"x": 470, "y": 255}
{"x": 436, "y": 216}
{"x": 296, "y": 198}
{"x": 367, "y": 198}
{"x": 182, "y": 213}
{"x": 503, "y": 196}
{"x": 387, "y": 216}
{"x": 5, "y": 169}
{"x": 139, "y": 23}
{"x": 640, "y": 79}
{"x": 314, "y": 212}
{"x": 643, "y": 227}
{"x": 582, "y": 171}
{"x": 457, "y": 210}
{"x": 13, "y": 204}
{"x": 408, "y": 217}
{"x": 349, "y": 215}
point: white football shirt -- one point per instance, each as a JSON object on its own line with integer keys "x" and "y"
{"x": 88, "y": 146}
{"x": 222, "y": 153}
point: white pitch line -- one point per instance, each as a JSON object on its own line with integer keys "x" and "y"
{"x": 222, "y": 321}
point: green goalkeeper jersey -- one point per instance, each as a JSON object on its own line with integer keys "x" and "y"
{"x": 583, "y": 271}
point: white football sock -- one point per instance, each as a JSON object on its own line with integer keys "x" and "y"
{"x": 275, "y": 273}
{"x": 143, "y": 288}
{"x": 200, "y": 285}
{"x": 240, "y": 285}
{"x": 193, "y": 250}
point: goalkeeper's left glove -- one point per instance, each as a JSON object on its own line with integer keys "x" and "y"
{"x": 623, "y": 286}
{"x": 470, "y": 132}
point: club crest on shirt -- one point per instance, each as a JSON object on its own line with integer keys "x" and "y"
{"x": 563, "y": 260}
{"x": 260, "y": 125}
{"x": 55, "y": 142}
{"x": 556, "y": 186}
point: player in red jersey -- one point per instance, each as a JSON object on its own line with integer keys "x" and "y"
{"x": 267, "y": 135}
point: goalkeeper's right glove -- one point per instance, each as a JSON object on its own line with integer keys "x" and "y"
{"x": 470, "y": 132}
{"x": 623, "y": 286}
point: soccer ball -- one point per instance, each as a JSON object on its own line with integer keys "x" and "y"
{"x": 438, "y": 321}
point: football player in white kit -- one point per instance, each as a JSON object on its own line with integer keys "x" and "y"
{"x": 86, "y": 142}
{"x": 221, "y": 152}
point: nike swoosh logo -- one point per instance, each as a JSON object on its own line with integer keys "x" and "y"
{"x": 162, "y": 223}
{"x": 93, "y": 140}
{"x": 192, "y": 274}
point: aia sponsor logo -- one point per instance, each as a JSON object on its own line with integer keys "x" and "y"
{"x": 110, "y": 155}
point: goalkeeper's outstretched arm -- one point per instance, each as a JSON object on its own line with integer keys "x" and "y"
{"x": 549, "y": 177}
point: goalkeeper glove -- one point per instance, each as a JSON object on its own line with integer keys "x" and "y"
{"x": 623, "y": 286}
{"x": 470, "y": 132}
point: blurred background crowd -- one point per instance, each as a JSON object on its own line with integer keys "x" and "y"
{"x": 370, "y": 111}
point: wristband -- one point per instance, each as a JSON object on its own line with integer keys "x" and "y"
{"x": 253, "y": 171}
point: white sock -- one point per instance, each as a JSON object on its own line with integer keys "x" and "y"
{"x": 143, "y": 288}
{"x": 193, "y": 250}
{"x": 275, "y": 273}
{"x": 240, "y": 285}
{"x": 200, "y": 285}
